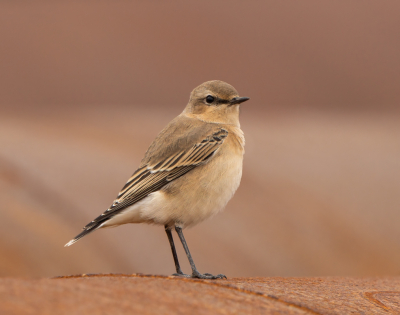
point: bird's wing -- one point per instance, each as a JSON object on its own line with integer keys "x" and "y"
{"x": 154, "y": 174}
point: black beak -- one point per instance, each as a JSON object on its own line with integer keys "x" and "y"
{"x": 238, "y": 100}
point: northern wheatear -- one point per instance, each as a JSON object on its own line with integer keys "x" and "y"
{"x": 188, "y": 174}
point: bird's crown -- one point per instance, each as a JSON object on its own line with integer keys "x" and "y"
{"x": 215, "y": 88}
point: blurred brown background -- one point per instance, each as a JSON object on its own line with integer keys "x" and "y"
{"x": 86, "y": 86}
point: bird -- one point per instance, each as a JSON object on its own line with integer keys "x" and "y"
{"x": 188, "y": 174}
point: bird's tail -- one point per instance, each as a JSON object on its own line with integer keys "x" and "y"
{"x": 85, "y": 232}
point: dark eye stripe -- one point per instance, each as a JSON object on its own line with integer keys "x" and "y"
{"x": 220, "y": 101}
{"x": 211, "y": 99}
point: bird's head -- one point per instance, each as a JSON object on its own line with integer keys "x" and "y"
{"x": 216, "y": 102}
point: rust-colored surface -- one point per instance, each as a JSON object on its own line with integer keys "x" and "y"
{"x": 141, "y": 294}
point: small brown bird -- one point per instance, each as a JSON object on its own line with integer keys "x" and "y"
{"x": 188, "y": 174}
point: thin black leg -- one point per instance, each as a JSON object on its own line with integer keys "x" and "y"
{"x": 195, "y": 272}
{"x": 174, "y": 254}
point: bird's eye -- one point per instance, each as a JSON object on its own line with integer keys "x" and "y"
{"x": 210, "y": 99}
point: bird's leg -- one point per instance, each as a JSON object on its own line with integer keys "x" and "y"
{"x": 195, "y": 272}
{"x": 171, "y": 242}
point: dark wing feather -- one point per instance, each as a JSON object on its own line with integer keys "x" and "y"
{"x": 151, "y": 177}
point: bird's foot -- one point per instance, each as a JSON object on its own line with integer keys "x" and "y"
{"x": 179, "y": 273}
{"x": 198, "y": 275}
